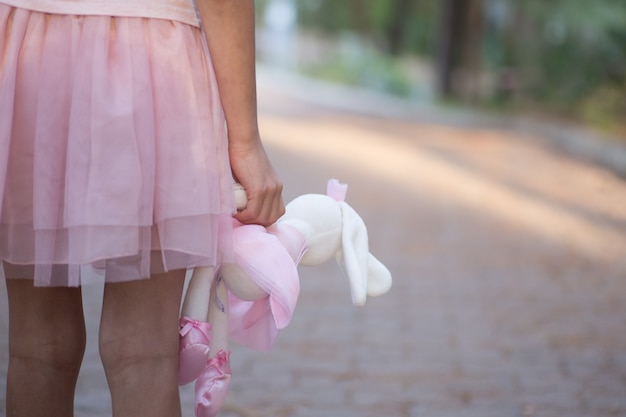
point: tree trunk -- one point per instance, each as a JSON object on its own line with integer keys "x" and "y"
{"x": 395, "y": 34}
{"x": 458, "y": 49}
{"x": 471, "y": 59}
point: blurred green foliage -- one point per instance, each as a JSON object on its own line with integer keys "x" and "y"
{"x": 396, "y": 26}
{"x": 565, "y": 56}
{"x": 569, "y": 55}
{"x": 365, "y": 67}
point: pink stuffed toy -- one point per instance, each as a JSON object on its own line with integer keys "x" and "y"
{"x": 252, "y": 299}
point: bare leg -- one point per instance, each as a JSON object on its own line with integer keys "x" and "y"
{"x": 139, "y": 345}
{"x": 46, "y": 347}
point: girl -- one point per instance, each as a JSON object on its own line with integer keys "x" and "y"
{"x": 120, "y": 135}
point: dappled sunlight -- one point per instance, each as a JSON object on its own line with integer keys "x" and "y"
{"x": 521, "y": 162}
{"x": 411, "y": 165}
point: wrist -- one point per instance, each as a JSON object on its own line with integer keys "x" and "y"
{"x": 243, "y": 138}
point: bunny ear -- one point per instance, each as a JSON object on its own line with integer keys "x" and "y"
{"x": 354, "y": 252}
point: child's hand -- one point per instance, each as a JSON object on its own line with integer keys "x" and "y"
{"x": 252, "y": 169}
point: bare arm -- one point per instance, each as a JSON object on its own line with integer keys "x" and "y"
{"x": 229, "y": 28}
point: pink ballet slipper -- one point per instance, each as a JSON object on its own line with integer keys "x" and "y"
{"x": 212, "y": 385}
{"x": 193, "y": 349}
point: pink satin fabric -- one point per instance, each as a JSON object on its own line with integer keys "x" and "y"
{"x": 212, "y": 385}
{"x": 269, "y": 257}
{"x": 113, "y": 149}
{"x": 193, "y": 349}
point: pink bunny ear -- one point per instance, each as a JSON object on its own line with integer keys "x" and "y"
{"x": 336, "y": 190}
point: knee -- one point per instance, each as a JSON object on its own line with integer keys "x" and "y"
{"x": 120, "y": 354}
{"x": 61, "y": 350}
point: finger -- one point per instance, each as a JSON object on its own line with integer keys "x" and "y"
{"x": 253, "y": 213}
{"x": 278, "y": 208}
{"x": 264, "y": 207}
{"x": 248, "y": 214}
{"x": 264, "y": 212}
{"x": 273, "y": 206}
{"x": 269, "y": 211}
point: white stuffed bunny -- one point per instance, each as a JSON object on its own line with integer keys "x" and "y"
{"x": 262, "y": 285}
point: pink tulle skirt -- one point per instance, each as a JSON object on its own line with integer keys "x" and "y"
{"x": 113, "y": 149}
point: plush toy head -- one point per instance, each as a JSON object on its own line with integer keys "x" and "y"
{"x": 332, "y": 228}
{"x": 319, "y": 219}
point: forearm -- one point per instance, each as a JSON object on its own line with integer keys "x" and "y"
{"x": 229, "y": 28}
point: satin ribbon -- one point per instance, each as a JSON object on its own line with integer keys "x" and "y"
{"x": 189, "y": 324}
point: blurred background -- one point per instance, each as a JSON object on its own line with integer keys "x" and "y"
{"x": 563, "y": 59}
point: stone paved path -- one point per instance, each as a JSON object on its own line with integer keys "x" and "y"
{"x": 509, "y": 260}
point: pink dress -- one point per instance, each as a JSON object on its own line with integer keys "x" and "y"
{"x": 113, "y": 149}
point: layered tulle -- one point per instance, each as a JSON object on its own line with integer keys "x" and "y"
{"x": 113, "y": 150}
